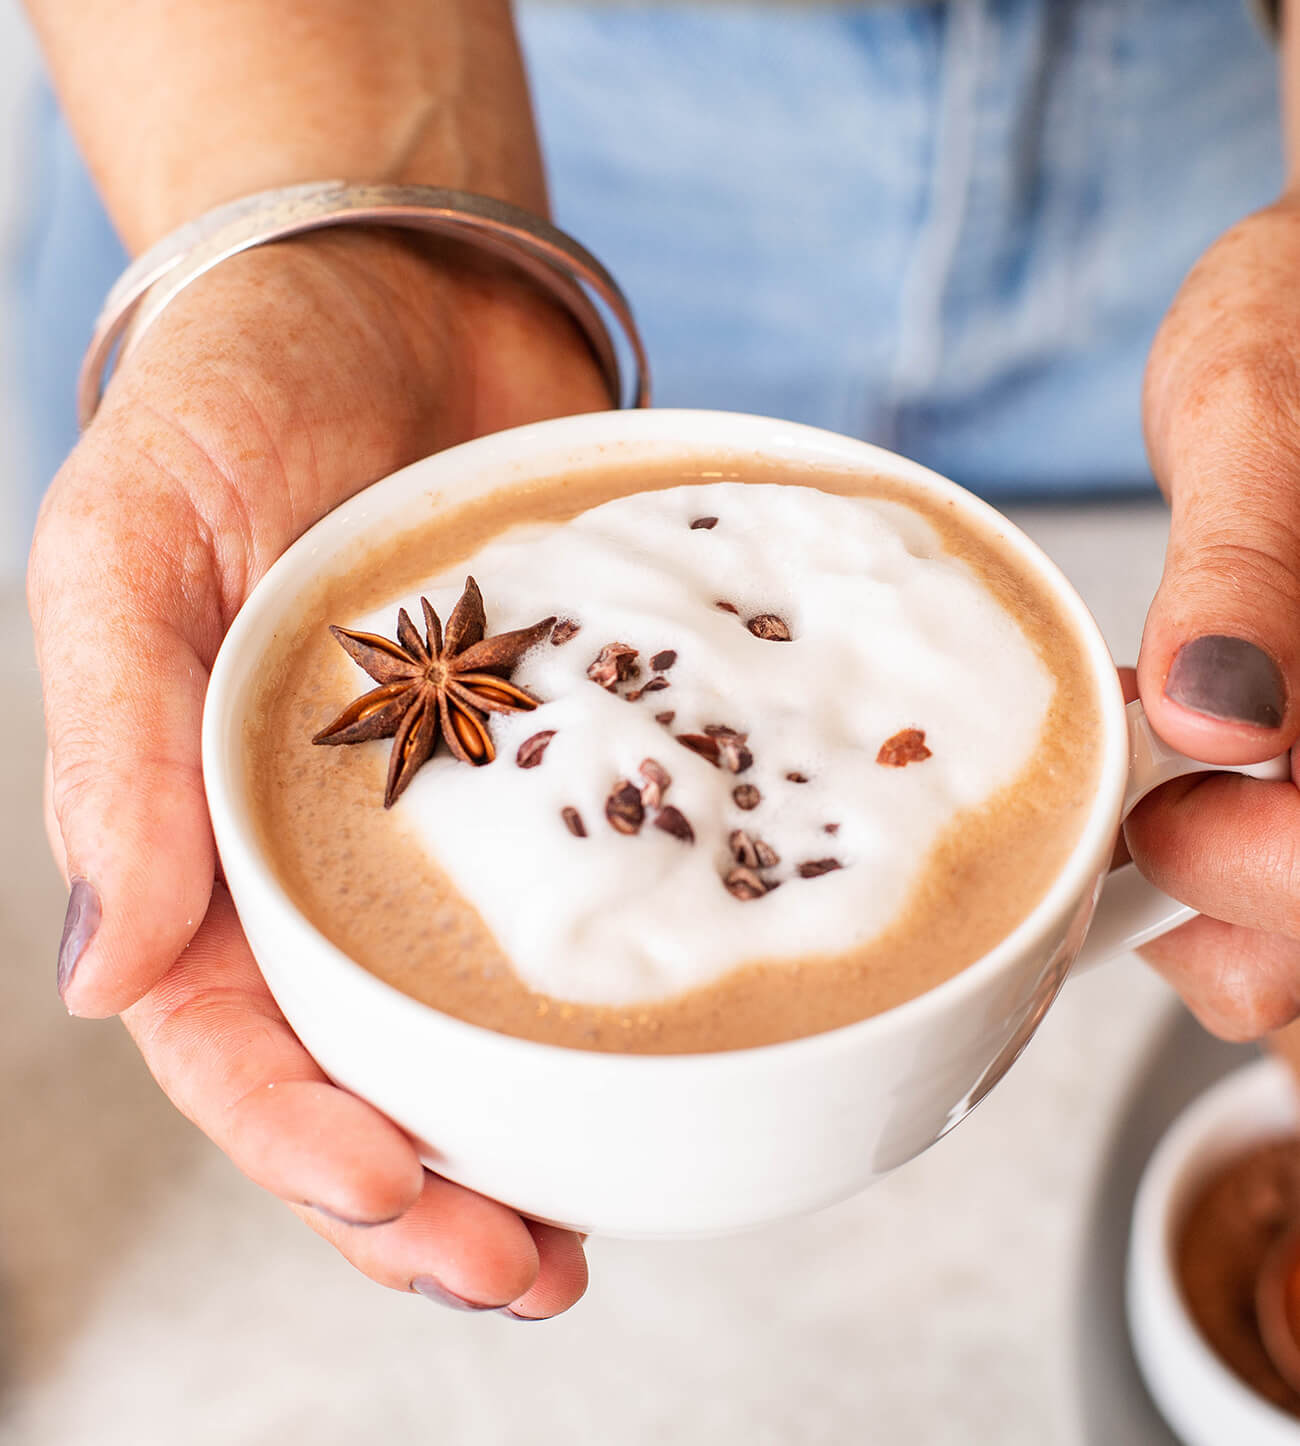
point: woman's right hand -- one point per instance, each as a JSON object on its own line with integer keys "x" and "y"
{"x": 270, "y": 391}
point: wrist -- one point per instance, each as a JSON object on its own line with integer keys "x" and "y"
{"x": 463, "y": 313}
{"x": 388, "y": 345}
{"x": 487, "y": 233}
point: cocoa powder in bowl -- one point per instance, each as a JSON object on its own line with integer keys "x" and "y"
{"x": 1225, "y": 1238}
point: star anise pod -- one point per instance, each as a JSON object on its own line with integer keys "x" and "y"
{"x": 444, "y": 684}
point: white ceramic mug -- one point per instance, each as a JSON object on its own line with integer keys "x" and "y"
{"x": 680, "y": 1144}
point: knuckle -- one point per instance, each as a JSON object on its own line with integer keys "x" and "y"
{"x": 76, "y": 775}
{"x": 125, "y": 510}
{"x": 231, "y": 1030}
{"x": 1280, "y": 864}
{"x": 70, "y": 525}
{"x": 1249, "y": 1001}
{"x": 1249, "y": 1014}
{"x": 96, "y": 784}
{"x": 1247, "y": 390}
{"x": 1224, "y": 348}
{"x": 1251, "y": 571}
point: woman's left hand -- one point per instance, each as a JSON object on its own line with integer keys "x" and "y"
{"x": 1219, "y": 670}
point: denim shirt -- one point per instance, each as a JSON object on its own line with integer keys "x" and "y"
{"x": 1267, "y": 11}
{"x": 949, "y": 228}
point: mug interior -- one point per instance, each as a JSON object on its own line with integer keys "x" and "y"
{"x": 504, "y": 461}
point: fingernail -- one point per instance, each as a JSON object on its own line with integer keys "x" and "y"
{"x": 435, "y": 1291}
{"x": 514, "y": 1315}
{"x": 79, "y": 925}
{"x": 1228, "y": 678}
{"x": 347, "y": 1219}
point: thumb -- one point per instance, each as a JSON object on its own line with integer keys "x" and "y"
{"x": 1219, "y": 669}
{"x": 123, "y": 692}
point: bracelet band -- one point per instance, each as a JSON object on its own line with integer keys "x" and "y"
{"x": 564, "y": 268}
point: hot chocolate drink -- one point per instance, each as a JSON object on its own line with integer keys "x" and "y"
{"x": 767, "y": 750}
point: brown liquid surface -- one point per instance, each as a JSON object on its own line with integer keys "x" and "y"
{"x": 357, "y": 874}
{"x": 1240, "y": 1213}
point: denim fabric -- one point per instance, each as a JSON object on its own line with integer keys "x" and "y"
{"x": 951, "y": 228}
{"x": 66, "y": 259}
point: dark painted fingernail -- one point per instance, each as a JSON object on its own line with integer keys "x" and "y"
{"x": 79, "y": 925}
{"x": 347, "y": 1219}
{"x": 1228, "y": 678}
{"x": 435, "y": 1291}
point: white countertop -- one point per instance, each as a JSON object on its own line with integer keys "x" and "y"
{"x": 149, "y": 1294}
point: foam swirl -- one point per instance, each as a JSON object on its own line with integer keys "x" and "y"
{"x": 889, "y": 632}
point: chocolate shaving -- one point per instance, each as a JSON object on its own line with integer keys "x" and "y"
{"x": 831, "y": 828}
{"x": 751, "y": 852}
{"x": 732, "y": 753}
{"x": 770, "y": 628}
{"x": 744, "y": 884}
{"x": 666, "y": 717}
{"x": 699, "y": 743}
{"x": 722, "y": 746}
{"x": 531, "y": 749}
{"x": 726, "y": 607}
{"x": 623, "y": 807}
{"x": 703, "y": 524}
{"x": 614, "y": 664}
{"x": 573, "y": 821}
{"x": 907, "y": 746}
{"x": 657, "y": 781}
{"x": 565, "y": 629}
{"x": 797, "y": 777}
{"x": 655, "y": 685}
{"x": 661, "y": 662}
{"x": 746, "y": 796}
{"x": 673, "y": 820}
{"x": 816, "y": 867}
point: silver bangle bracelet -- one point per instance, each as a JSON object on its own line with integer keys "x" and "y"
{"x": 560, "y": 265}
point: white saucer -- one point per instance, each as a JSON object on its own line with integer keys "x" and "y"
{"x": 1111, "y": 1405}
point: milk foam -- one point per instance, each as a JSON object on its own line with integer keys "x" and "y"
{"x": 889, "y": 632}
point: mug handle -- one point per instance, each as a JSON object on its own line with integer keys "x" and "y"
{"x": 1132, "y": 911}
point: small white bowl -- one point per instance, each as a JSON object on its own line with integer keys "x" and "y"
{"x": 1204, "y": 1402}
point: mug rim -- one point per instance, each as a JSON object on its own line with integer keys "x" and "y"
{"x": 686, "y": 432}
